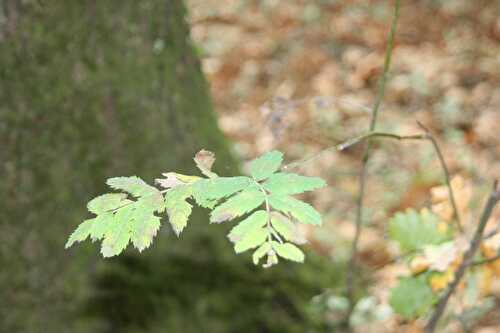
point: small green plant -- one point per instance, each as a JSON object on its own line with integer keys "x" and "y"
{"x": 264, "y": 203}
{"x": 416, "y": 233}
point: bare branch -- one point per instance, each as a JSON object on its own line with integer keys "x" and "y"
{"x": 485, "y": 261}
{"x": 426, "y": 136}
{"x": 351, "y": 142}
{"x": 468, "y": 256}
{"x": 444, "y": 166}
{"x": 492, "y": 233}
{"x": 368, "y": 135}
{"x": 362, "y": 175}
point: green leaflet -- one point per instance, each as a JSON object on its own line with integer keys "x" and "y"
{"x": 143, "y": 232}
{"x": 272, "y": 259}
{"x": 81, "y": 233}
{"x": 117, "y": 236}
{"x": 282, "y": 225}
{"x": 106, "y": 202}
{"x": 133, "y": 185}
{"x": 412, "y": 297}
{"x": 155, "y": 202}
{"x": 266, "y": 165}
{"x": 238, "y": 205}
{"x": 299, "y": 210}
{"x": 207, "y": 192}
{"x": 135, "y": 222}
{"x": 178, "y": 209}
{"x": 120, "y": 220}
{"x": 251, "y": 240}
{"x": 148, "y": 195}
{"x": 290, "y": 183}
{"x": 101, "y": 225}
{"x": 413, "y": 230}
{"x": 254, "y": 221}
{"x": 286, "y": 228}
{"x": 288, "y": 251}
{"x": 261, "y": 252}
{"x": 142, "y": 210}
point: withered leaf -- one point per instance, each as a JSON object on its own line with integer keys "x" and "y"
{"x": 170, "y": 180}
{"x": 204, "y": 160}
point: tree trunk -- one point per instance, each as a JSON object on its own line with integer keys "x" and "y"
{"x": 91, "y": 90}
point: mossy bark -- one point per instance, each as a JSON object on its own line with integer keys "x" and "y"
{"x": 96, "y": 89}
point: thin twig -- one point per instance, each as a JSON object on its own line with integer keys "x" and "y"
{"x": 362, "y": 176}
{"x": 425, "y": 136}
{"x": 492, "y": 233}
{"x": 300, "y": 162}
{"x": 351, "y": 142}
{"x": 444, "y": 166}
{"x": 392, "y": 261}
{"x": 485, "y": 261}
{"x": 468, "y": 256}
{"x": 370, "y": 135}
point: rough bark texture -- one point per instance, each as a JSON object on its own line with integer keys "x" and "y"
{"x": 95, "y": 89}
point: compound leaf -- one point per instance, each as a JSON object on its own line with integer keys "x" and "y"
{"x": 106, "y": 202}
{"x": 265, "y": 165}
{"x": 289, "y": 251}
{"x": 411, "y": 298}
{"x": 81, "y": 233}
{"x": 121, "y": 220}
{"x": 413, "y": 230}
{"x": 299, "y": 210}
{"x": 290, "y": 183}
{"x": 178, "y": 209}
{"x": 238, "y": 205}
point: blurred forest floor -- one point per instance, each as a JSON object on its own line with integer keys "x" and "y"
{"x": 301, "y": 76}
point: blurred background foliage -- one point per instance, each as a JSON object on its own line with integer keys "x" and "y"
{"x": 96, "y": 89}
{"x": 308, "y": 70}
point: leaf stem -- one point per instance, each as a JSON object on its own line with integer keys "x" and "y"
{"x": 268, "y": 210}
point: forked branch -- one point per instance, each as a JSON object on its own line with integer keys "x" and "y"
{"x": 427, "y": 135}
{"x": 468, "y": 256}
